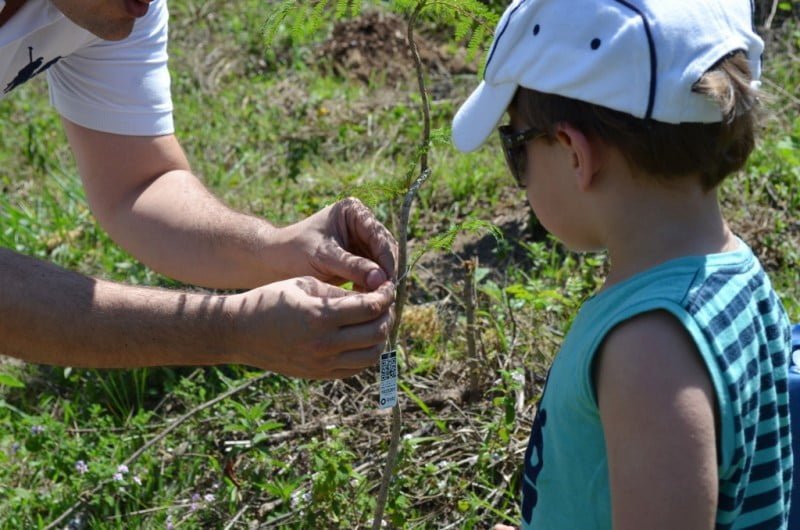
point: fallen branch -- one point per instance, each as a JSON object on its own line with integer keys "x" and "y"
{"x": 452, "y": 396}
{"x": 236, "y": 517}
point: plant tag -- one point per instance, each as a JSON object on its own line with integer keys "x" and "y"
{"x": 388, "y": 397}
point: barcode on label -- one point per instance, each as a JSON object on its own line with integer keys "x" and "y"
{"x": 388, "y": 390}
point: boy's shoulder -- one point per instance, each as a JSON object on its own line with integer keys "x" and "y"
{"x": 668, "y": 346}
{"x": 702, "y": 294}
{"x": 689, "y": 281}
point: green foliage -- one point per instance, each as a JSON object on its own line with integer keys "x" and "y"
{"x": 306, "y": 18}
{"x": 10, "y": 381}
{"x": 337, "y": 498}
{"x": 445, "y": 240}
{"x": 124, "y": 391}
{"x": 472, "y": 21}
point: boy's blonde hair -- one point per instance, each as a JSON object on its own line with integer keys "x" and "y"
{"x": 711, "y": 150}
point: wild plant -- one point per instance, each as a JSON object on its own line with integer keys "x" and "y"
{"x": 473, "y": 24}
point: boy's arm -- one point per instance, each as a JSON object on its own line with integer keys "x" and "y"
{"x": 657, "y": 406}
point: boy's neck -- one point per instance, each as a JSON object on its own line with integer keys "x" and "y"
{"x": 655, "y": 222}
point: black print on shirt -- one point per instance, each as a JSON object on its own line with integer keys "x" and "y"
{"x": 32, "y": 69}
{"x": 530, "y": 497}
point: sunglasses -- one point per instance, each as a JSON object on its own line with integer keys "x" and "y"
{"x": 514, "y": 149}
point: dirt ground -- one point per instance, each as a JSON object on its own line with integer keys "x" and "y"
{"x": 375, "y": 44}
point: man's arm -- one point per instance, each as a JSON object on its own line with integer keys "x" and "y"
{"x": 143, "y": 193}
{"x": 657, "y": 405}
{"x": 298, "y": 327}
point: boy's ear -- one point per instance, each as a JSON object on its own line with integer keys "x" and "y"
{"x": 585, "y": 153}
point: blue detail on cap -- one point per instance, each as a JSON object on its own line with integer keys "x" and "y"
{"x": 535, "y": 30}
{"x": 651, "y": 99}
{"x": 653, "y": 59}
{"x": 500, "y": 36}
{"x": 753, "y": 27}
{"x": 596, "y": 43}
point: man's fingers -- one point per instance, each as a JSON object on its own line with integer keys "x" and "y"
{"x": 360, "y": 270}
{"x": 314, "y": 287}
{"x": 359, "y": 359}
{"x": 367, "y": 234}
{"x": 352, "y": 362}
{"x": 348, "y": 308}
{"x": 368, "y": 335}
{"x": 358, "y": 308}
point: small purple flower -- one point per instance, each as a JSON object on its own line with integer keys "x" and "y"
{"x": 37, "y": 429}
{"x": 195, "y": 502}
{"x": 14, "y": 448}
{"x": 137, "y": 480}
{"x": 81, "y": 467}
{"x": 170, "y": 526}
{"x": 118, "y": 477}
{"x": 122, "y": 468}
{"x": 208, "y": 497}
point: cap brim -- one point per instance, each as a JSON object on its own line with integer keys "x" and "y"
{"x": 480, "y": 115}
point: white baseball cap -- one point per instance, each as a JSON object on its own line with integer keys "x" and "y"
{"x": 635, "y": 56}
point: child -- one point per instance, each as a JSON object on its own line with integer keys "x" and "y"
{"x": 667, "y": 406}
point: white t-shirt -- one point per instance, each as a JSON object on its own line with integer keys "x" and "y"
{"x": 120, "y": 87}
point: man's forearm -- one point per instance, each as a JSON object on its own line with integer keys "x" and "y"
{"x": 177, "y": 227}
{"x": 53, "y": 316}
{"x": 142, "y": 191}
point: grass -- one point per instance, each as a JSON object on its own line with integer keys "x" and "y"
{"x": 274, "y": 134}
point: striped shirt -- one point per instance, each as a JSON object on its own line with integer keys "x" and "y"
{"x": 727, "y": 305}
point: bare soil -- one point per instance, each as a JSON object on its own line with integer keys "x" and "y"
{"x": 375, "y": 44}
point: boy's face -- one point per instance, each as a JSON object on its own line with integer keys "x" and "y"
{"x": 551, "y": 187}
{"x": 108, "y": 19}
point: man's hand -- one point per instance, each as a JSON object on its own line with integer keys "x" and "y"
{"x": 305, "y": 328}
{"x": 341, "y": 243}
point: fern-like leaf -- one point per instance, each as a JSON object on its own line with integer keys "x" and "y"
{"x": 304, "y": 19}
{"x": 373, "y": 195}
{"x": 476, "y": 42}
{"x": 445, "y": 241}
{"x": 319, "y": 10}
{"x": 303, "y": 23}
{"x": 275, "y": 19}
{"x": 441, "y": 136}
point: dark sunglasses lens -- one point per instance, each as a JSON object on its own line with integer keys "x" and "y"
{"x": 519, "y": 158}
{"x": 514, "y": 151}
{"x": 512, "y": 164}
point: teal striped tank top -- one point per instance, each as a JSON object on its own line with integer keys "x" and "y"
{"x": 727, "y": 305}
